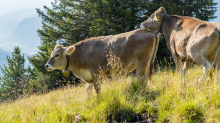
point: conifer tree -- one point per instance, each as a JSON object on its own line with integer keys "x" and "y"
{"x": 15, "y": 77}
{"x": 201, "y": 9}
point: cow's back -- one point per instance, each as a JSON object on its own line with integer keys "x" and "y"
{"x": 127, "y": 46}
{"x": 131, "y": 44}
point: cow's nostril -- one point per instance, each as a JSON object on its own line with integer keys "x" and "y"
{"x": 46, "y": 65}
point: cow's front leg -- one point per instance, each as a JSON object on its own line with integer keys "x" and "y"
{"x": 89, "y": 89}
{"x": 94, "y": 72}
{"x": 97, "y": 87}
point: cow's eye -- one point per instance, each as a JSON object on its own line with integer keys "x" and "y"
{"x": 56, "y": 55}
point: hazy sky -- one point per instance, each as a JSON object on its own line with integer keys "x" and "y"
{"x": 14, "y": 5}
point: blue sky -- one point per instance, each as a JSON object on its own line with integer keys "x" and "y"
{"x": 217, "y": 13}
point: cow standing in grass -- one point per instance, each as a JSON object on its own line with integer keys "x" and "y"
{"x": 136, "y": 49}
{"x": 189, "y": 39}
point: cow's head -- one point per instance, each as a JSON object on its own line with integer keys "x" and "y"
{"x": 58, "y": 57}
{"x": 154, "y": 22}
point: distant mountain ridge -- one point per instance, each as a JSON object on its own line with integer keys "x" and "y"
{"x": 7, "y": 28}
{"x": 10, "y": 21}
{"x": 19, "y": 28}
{"x": 26, "y": 32}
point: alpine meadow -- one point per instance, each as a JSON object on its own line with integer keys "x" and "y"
{"x": 39, "y": 93}
{"x": 122, "y": 99}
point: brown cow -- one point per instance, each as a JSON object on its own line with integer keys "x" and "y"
{"x": 136, "y": 49}
{"x": 189, "y": 39}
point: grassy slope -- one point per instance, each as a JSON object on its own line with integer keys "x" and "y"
{"x": 165, "y": 98}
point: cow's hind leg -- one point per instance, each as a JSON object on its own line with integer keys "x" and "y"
{"x": 204, "y": 62}
{"x": 94, "y": 72}
{"x": 206, "y": 69}
{"x": 97, "y": 87}
{"x": 216, "y": 62}
{"x": 89, "y": 89}
{"x": 177, "y": 62}
{"x": 185, "y": 67}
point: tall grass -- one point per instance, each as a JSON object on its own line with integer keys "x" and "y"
{"x": 166, "y": 99}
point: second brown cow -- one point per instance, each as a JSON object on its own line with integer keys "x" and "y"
{"x": 189, "y": 39}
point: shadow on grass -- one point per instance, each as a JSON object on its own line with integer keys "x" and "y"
{"x": 138, "y": 94}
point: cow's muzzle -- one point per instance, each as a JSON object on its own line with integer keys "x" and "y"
{"x": 49, "y": 67}
{"x": 143, "y": 27}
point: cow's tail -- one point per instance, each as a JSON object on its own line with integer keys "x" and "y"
{"x": 153, "y": 58}
{"x": 216, "y": 63}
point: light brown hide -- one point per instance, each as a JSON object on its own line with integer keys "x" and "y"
{"x": 189, "y": 39}
{"x": 136, "y": 49}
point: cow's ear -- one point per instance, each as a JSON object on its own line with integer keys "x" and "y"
{"x": 159, "y": 16}
{"x": 69, "y": 50}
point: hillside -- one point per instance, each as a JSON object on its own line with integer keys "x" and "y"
{"x": 166, "y": 99}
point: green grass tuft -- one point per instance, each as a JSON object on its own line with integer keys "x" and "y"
{"x": 189, "y": 112}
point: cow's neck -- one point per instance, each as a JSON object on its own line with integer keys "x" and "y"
{"x": 74, "y": 60}
{"x": 168, "y": 25}
{"x": 67, "y": 64}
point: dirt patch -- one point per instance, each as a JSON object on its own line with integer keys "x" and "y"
{"x": 135, "y": 118}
